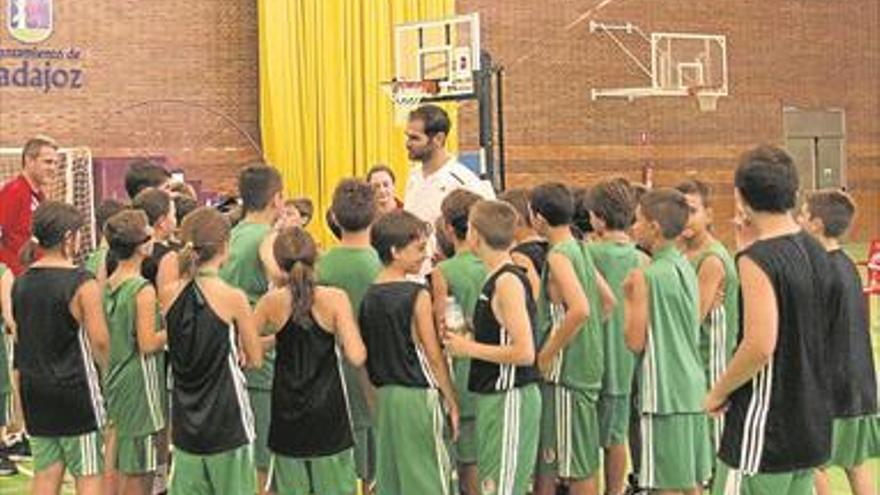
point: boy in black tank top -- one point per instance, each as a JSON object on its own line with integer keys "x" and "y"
{"x": 212, "y": 421}
{"x": 827, "y": 215}
{"x": 61, "y": 334}
{"x": 776, "y": 390}
{"x": 502, "y": 375}
{"x": 310, "y": 433}
{"x": 406, "y": 364}
{"x": 529, "y": 249}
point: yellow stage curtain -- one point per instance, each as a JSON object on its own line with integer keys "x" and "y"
{"x": 323, "y": 113}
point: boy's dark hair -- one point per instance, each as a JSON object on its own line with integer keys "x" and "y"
{"x": 435, "y": 118}
{"x": 125, "y": 231}
{"x": 554, "y": 202}
{"x": 495, "y": 222}
{"x": 639, "y": 190}
{"x": 156, "y": 203}
{"x": 354, "y": 205}
{"x": 396, "y": 230}
{"x": 257, "y": 185}
{"x": 381, "y": 167}
{"x": 332, "y": 225}
{"x": 183, "y": 206}
{"x": 444, "y": 243}
{"x": 52, "y": 221}
{"x": 143, "y": 173}
{"x": 667, "y": 207}
{"x": 696, "y": 187}
{"x": 835, "y": 208}
{"x": 613, "y": 201}
{"x": 107, "y": 209}
{"x": 580, "y": 220}
{"x": 519, "y": 200}
{"x": 456, "y": 208}
{"x": 767, "y": 180}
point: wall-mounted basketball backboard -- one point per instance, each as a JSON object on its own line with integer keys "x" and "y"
{"x": 445, "y": 52}
{"x": 680, "y": 64}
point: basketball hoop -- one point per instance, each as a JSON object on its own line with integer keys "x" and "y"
{"x": 707, "y": 97}
{"x": 408, "y": 95}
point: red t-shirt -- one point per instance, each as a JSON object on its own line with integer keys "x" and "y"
{"x": 18, "y": 200}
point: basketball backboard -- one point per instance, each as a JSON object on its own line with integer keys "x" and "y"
{"x": 681, "y": 64}
{"x": 445, "y": 51}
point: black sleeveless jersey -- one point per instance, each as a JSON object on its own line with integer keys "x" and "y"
{"x": 60, "y": 387}
{"x": 854, "y": 377}
{"x": 781, "y": 419}
{"x": 486, "y": 377}
{"x": 386, "y": 321}
{"x": 310, "y": 416}
{"x": 210, "y": 408}
{"x": 536, "y": 251}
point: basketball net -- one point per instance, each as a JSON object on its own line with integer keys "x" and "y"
{"x": 706, "y": 98}
{"x": 407, "y": 96}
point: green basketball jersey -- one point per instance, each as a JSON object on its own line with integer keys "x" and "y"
{"x": 465, "y": 275}
{"x": 582, "y": 360}
{"x": 243, "y": 269}
{"x": 5, "y": 382}
{"x": 134, "y": 382}
{"x": 351, "y": 269}
{"x": 721, "y": 327}
{"x": 672, "y": 379}
{"x": 615, "y": 261}
{"x": 96, "y": 259}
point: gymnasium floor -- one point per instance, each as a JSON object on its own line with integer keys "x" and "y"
{"x": 20, "y": 484}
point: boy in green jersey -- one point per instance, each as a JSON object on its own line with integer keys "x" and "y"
{"x": 661, "y": 322}
{"x": 251, "y": 267}
{"x": 571, "y": 355}
{"x": 719, "y": 287}
{"x": 455, "y": 286}
{"x": 96, "y": 261}
{"x": 612, "y": 214}
{"x": 352, "y": 266}
{"x": 134, "y": 384}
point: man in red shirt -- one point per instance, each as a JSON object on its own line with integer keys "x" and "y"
{"x": 21, "y": 196}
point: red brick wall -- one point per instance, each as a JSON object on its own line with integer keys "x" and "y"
{"x": 801, "y": 53}
{"x": 198, "y": 52}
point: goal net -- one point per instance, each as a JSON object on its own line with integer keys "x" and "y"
{"x": 72, "y": 183}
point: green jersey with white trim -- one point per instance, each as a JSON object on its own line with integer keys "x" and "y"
{"x": 134, "y": 383}
{"x": 721, "y": 326}
{"x": 582, "y": 359}
{"x": 672, "y": 379}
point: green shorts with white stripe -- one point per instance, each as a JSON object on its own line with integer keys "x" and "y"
{"x": 328, "y": 475}
{"x": 411, "y": 452}
{"x": 82, "y": 455}
{"x": 569, "y": 439}
{"x": 729, "y": 481}
{"x": 137, "y": 455}
{"x": 676, "y": 451}
{"x": 507, "y": 439}
{"x": 231, "y": 471}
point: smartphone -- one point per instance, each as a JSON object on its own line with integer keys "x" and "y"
{"x": 177, "y": 176}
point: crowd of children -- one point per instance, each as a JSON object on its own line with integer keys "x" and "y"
{"x": 560, "y": 334}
